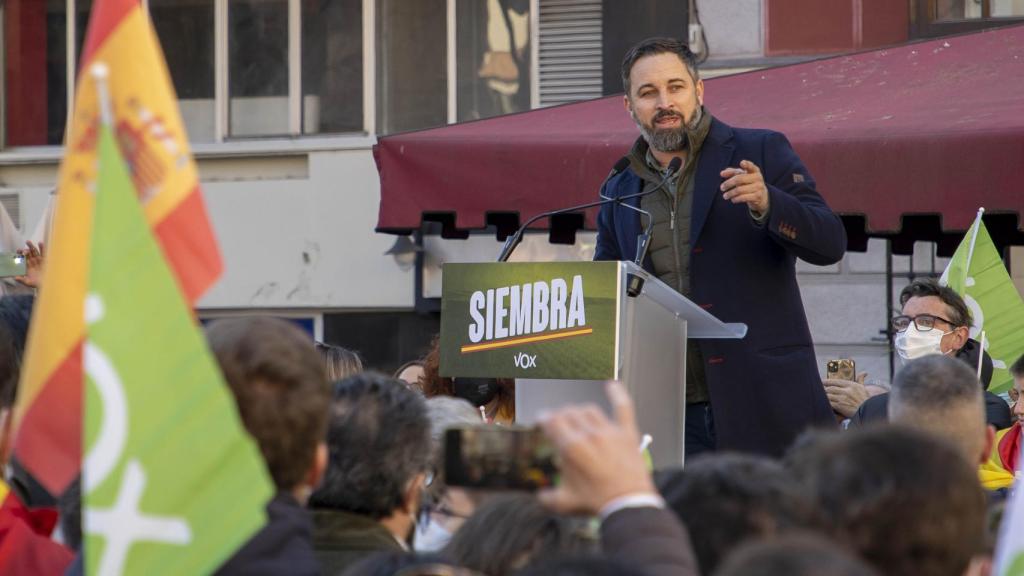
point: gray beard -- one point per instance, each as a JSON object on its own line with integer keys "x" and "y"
{"x": 668, "y": 139}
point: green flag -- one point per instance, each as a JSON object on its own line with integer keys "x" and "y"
{"x": 172, "y": 484}
{"x": 977, "y": 273}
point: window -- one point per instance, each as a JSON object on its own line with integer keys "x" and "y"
{"x": 332, "y": 66}
{"x": 258, "y": 67}
{"x": 290, "y": 66}
{"x": 273, "y": 68}
{"x": 185, "y": 30}
{"x": 36, "y": 71}
{"x": 951, "y": 10}
{"x": 940, "y": 17}
{"x": 412, "y": 65}
{"x": 493, "y": 63}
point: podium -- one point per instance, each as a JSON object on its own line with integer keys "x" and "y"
{"x": 562, "y": 328}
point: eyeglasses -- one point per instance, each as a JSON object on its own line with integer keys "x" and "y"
{"x": 924, "y": 322}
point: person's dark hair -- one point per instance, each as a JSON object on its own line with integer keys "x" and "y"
{"x": 901, "y": 499}
{"x": 15, "y": 314}
{"x": 730, "y": 498}
{"x": 280, "y": 388}
{"x": 405, "y": 564}
{"x": 582, "y": 565}
{"x": 941, "y": 395}
{"x": 934, "y": 382}
{"x": 653, "y": 46}
{"x": 1017, "y": 368}
{"x": 793, "y": 555}
{"x": 512, "y": 531}
{"x": 922, "y": 287}
{"x": 339, "y": 363}
{"x": 431, "y": 383}
{"x": 378, "y": 439}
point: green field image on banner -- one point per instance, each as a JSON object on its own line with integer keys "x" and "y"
{"x": 529, "y": 320}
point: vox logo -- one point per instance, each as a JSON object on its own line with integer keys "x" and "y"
{"x": 523, "y": 360}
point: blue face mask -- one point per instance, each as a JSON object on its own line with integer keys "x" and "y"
{"x": 430, "y": 536}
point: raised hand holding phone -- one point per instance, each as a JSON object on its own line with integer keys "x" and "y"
{"x": 599, "y": 459}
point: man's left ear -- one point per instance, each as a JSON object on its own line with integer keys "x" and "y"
{"x": 700, "y": 92}
{"x": 963, "y": 334}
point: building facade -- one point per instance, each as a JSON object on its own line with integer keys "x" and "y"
{"x": 283, "y": 100}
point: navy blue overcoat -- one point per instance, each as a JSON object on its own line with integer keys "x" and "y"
{"x": 764, "y": 389}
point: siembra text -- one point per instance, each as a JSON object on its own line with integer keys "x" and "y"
{"x": 529, "y": 308}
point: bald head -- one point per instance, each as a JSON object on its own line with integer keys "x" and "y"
{"x": 942, "y": 396}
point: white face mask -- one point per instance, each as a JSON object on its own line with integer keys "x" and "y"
{"x": 430, "y": 536}
{"x": 912, "y": 344}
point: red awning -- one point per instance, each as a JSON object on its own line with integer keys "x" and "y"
{"x": 905, "y": 143}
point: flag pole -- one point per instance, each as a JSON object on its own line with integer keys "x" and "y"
{"x": 100, "y": 73}
{"x": 981, "y": 354}
{"x": 974, "y": 238}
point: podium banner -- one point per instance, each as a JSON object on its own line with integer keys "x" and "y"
{"x": 547, "y": 320}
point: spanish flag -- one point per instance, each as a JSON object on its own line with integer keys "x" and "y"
{"x": 152, "y": 139}
{"x": 25, "y": 544}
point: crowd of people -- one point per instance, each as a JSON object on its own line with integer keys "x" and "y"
{"x": 356, "y": 457}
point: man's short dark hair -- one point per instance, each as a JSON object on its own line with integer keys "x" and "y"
{"x": 922, "y": 287}
{"x": 511, "y": 531}
{"x": 935, "y": 381}
{"x": 728, "y": 498}
{"x": 279, "y": 385}
{"x": 653, "y": 46}
{"x": 901, "y": 499}
{"x": 941, "y": 395}
{"x": 15, "y": 313}
{"x": 1017, "y": 368}
{"x": 378, "y": 439}
{"x": 793, "y": 555}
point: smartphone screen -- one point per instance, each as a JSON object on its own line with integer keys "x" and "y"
{"x": 498, "y": 458}
{"x": 11, "y": 264}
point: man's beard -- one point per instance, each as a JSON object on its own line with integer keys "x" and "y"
{"x": 667, "y": 139}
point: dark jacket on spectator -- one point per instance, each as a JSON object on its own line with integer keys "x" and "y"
{"x": 341, "y": 539}
{"x": 282, "y": 546}
{"x": 876, "y": 409}
{"x": 652, "y": 539}
{"x": 997, "y": 412}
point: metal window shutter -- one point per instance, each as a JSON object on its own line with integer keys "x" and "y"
{"x": 569, "y": 67}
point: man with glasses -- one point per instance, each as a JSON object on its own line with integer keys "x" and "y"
{"x": 934, "y": 319}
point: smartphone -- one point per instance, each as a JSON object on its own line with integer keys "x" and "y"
{"x": 498, "y": 458}
{"x": 11, "y": 264}
{"x": 841, "y": 369}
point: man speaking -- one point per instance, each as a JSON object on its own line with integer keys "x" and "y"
{"x": 727, "y": 231}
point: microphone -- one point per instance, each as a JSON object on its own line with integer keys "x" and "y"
{"x": 644, "y": 239}
{"x": 513, "y": 241}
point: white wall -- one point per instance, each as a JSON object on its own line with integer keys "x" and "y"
{"x": 306, "y": 242}
{"x": 733, "y": 27}
{"x": 295, "y": 228}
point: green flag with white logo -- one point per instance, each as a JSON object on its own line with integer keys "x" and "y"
{"x": 172, "y": 483}
{"x": 977, "y": 273}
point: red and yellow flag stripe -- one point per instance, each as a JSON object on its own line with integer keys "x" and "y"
{"x": 152, "y": 138}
